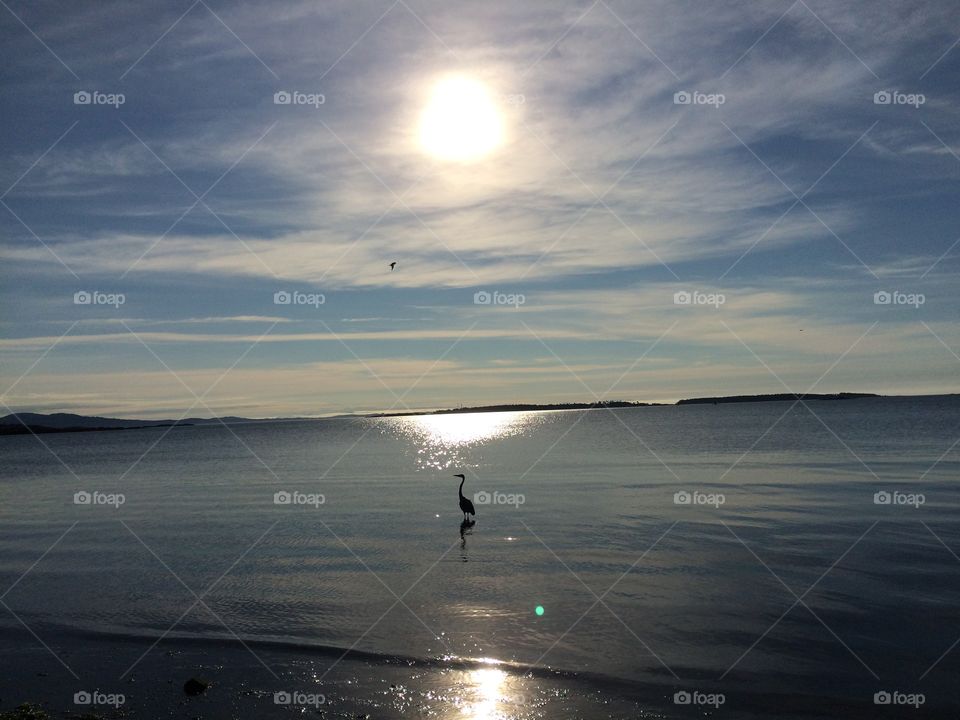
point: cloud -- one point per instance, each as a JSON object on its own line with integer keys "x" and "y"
{"x": 606, "y": 198}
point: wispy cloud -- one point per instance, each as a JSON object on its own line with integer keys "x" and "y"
{"x": 606, "y": 198}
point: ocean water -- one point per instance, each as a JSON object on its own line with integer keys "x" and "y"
{"x": 754, "y": 559}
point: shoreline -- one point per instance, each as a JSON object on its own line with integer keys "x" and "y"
{"x": 247, "y": 678}
{"x": 24, "y": 428}
{"x": 33, "y": 428}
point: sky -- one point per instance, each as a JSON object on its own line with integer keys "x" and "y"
{"x": 677, "y": 199}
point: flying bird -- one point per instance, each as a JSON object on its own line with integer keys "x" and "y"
{"x": 393, "y": 265}
{"x": 465, "y": 505}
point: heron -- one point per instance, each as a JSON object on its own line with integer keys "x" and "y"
{"x": 393, "y": 265}
{"x": 465, "y": 505}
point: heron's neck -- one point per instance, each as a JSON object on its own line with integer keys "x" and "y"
{"x": 460, "y": 490}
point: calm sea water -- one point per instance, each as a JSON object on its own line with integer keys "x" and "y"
{"x": 784, "y": 579}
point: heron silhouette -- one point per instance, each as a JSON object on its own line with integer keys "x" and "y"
{"x": 393, "y": 265}
{"x": 465, "y": 505}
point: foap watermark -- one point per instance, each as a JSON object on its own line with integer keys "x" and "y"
{"x": 895, "y": 497}
{"x": 695, "y": 97}
{"x": 95, "y": 97}
{"x": 85, "y": 697}
{"x": 298, "y": 699}
{"x": 282, "y": 497}
{"x": 514, "y": 100}
{"x": 895, "y": 97}
{"x": 682, "y": 497}
{"x": 498, "y": 498}
{"x": 896, "y": 297}
{"x": 296, "y": 297}
{"x": 295, "y": 97}
{"x": 114, "y": 500}
{"x": 516, "y": 699}
{"x": 695, "y": 697}
{"x": 695, "y": 297}
{"x": 895, "y": 697}
{"x": 484, "y": 297}
{"x": 95, "y": 297}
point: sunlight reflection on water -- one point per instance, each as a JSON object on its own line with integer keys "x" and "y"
{"x": 490, "y": 694}
{"x": 488, "y": 684}
{"x": 443, "y": 441}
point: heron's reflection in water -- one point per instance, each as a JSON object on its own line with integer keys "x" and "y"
{"x": 466, "y": 528}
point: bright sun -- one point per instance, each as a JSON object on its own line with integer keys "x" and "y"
{"x": 461, "y": 121}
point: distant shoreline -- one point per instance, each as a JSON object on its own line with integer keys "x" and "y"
{"x": 522, "y": 407}
{"x": 20, "y": 429}
{"x": 776, "y": 397}
{"x": 39, "y": 424}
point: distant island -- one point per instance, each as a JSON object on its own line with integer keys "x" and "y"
{"x": 37, "y": 423}
{"x": 777, "y": 397}
{"x": 524, "y": 408}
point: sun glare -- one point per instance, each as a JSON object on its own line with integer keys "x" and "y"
{"x": 461, "y": 121}
{"x": 455, "y": 429}
{"x": 488, "y": 694}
